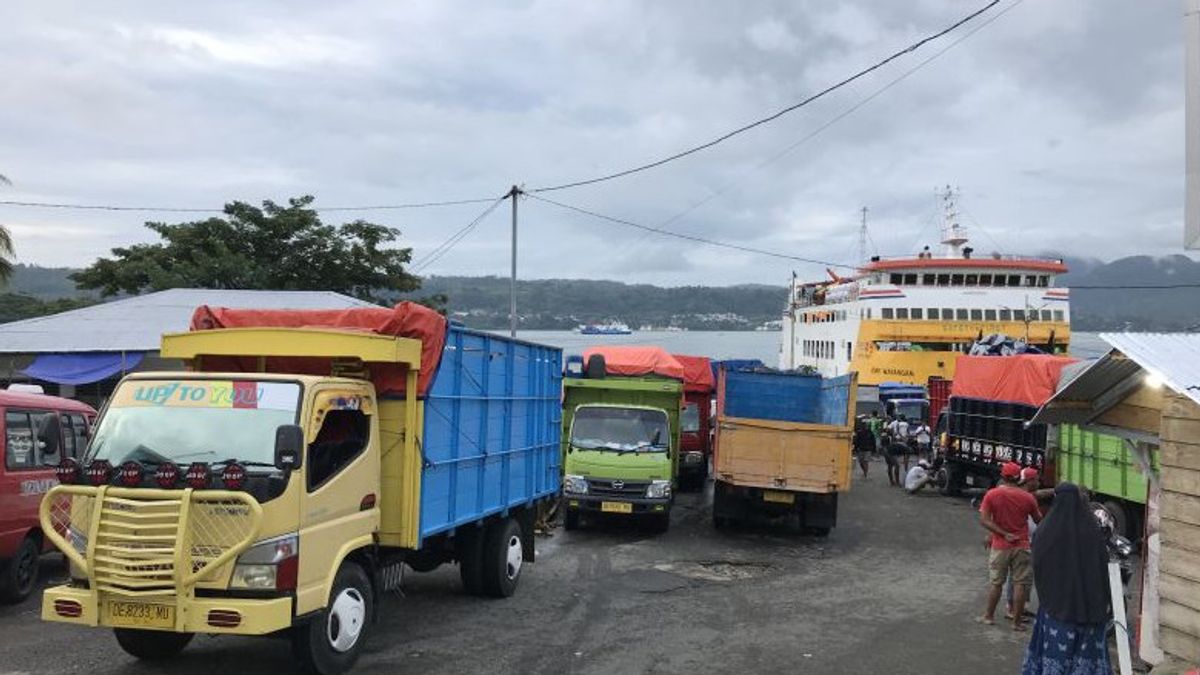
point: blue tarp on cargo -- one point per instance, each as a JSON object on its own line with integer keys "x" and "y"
{"x": 787, "y": 397}
{"x": 735, "y": 364}
{"x": 83, "y": 367}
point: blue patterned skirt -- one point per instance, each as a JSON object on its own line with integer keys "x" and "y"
{"x": 1062, "y": 648}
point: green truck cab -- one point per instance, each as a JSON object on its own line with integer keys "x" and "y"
{"x": 620, "y": 447}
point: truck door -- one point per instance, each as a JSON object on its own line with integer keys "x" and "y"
{"x": 339, "y": 510}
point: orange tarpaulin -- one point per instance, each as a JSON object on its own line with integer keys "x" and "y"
{"x": 637, "y": 361}
{"x": 697, "y": 373}
{"x": 1029, "y": 378}
{"x": 406, "y": 319}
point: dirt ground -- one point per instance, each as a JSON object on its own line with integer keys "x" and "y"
{"x": 892, "y": 590}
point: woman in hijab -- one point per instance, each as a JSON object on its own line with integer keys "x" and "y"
{"x": 1070, "y": 572}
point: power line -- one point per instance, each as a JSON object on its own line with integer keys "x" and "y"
{"x": 444, "y": 247}
{"x": 178, "y": 209}
{"x": 770, "y": 118}
{"x": 689, "y": 237}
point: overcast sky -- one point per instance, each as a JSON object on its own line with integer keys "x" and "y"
{"x": 1061, "y": 122}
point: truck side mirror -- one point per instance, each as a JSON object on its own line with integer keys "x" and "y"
{"x": 289, "y": 447}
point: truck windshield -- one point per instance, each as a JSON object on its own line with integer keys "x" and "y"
{"x": 620, "y": 429}
{"x": 912, "y": 410}
{"x": 184, "y": 421}
{"x": 690, "y": 421}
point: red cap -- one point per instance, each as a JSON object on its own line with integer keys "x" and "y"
{"x": 1010, "y": 470}
{"x": 1029, "y": 474}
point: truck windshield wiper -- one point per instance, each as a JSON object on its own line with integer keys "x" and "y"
{"x": 244, "y": 462}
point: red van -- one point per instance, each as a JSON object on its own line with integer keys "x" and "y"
{"x": 38, "y": 432}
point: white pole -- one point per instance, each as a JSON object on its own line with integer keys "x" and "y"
{"x": 1191, "y": 39}
{"x": 1117, "y": 592}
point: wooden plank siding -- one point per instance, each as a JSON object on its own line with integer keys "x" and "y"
{"x": 1179, "y": 583}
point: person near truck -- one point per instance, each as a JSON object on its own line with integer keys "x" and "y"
{"x": 1005, "y": 513}
{"x": 875, "y": 424}
{"x": 1030, "y": 481}
{"x": 1070, "y": 563}
{"x": 924, "y": 437}
{"x": 898, "y": 429}
{"x": 864, "y": 443}
{"x": 918, "y": 477}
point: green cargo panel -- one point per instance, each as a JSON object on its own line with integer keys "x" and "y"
{"x": 1101, "y": 463}
{"x": 642, "y": 391}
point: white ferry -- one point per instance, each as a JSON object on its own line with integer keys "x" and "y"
{"x": 908, "y": 319}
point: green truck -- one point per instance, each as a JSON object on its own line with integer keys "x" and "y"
{"x": 620, "y": 446}
{"x": 1108, "y": 468}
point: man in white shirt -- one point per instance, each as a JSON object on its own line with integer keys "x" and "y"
{"x": 924, "y": 437}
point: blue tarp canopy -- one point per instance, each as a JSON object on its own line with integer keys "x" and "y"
{"x": 82, "y": 367}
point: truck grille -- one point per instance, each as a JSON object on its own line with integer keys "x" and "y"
{"x": 149, "y": 542}
{"x": 617, "y": 488}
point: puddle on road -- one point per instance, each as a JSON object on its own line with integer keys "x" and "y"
{"x": 715, "y": 570}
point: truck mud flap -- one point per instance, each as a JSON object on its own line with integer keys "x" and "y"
{"x": 820, "y": 511}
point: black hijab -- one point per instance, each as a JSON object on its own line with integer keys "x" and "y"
{"x": 1070, "y": 560}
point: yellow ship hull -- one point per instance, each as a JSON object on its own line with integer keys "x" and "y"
{"x": 875, "y": 366}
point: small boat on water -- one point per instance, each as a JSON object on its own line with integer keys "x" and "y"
{"x": 612, "y": 328}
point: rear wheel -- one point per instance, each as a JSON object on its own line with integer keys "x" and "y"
{"x": 470, "y": 559}
{"x": 1120, "y": 518}
{"x": 331, "y": 643}
{"x": 953, "y": 484}
{"x": 503, "y": 558}
{"x": 151, "y": 645}
{"x": 19, "y": 576}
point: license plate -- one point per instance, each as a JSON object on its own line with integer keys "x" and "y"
{"x": 779, "y": 497}
{"x": 616, "y": 507}
{"x": 140, "y": 615}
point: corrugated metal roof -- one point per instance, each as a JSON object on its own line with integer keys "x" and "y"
{"x": 1174, "y": 357}
{"x": 137, "y": 323}
{"x": 1084, "y": 389}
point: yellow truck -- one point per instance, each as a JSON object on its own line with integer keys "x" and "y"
{"x": 278, "y": 485}
{"x": 782, "y": 446}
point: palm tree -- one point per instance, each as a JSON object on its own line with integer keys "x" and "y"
{"x": 6, "y": 245}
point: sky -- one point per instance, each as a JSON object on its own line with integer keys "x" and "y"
{"x": 1061, "y": 123}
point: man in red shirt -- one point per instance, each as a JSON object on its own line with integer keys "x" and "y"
{"x": 1005, "y": 512}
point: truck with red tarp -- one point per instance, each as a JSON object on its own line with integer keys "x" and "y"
{"x": 279, "y": 483}
{"x": 620, "y": 434}
{"x": 695, "y": 440}
{"x": 992, "y": 399}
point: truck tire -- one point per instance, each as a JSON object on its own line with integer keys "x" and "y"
{"x": 659, "y": 522}
{"x": 331, "y": 642}
{"x": 19, "y": 576}
{"x": 470, "y": 559}
{"x": 503, "y": 558}
{"x": 955, "y": 480}
{"x": 571, "y": 520}
{"x": 151, "y": 645}
{"x": 719, "y": 507}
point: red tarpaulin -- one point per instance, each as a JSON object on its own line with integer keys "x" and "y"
{"x": 406, "y": 319}
{"x": 637, "y": 361}
{"x": 697, "y": 373}
{"x": 1029, "y": 378}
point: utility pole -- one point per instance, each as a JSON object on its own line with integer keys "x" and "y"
{"x": 512, "y": 287}
{"x": 862, "y": 239}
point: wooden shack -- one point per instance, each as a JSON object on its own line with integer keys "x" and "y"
{"x": 1147, "y": 392}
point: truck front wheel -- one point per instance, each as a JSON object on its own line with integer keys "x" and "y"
{"x": 504, "y": 556}
{"x": 332, "y": 641}
{"x": 19, "y": 576}
{"x": 151, "y": 645}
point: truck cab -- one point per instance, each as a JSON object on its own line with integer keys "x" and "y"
{"x": 621, "y": 444}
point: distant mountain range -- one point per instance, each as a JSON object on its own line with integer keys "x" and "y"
{"x": 565, "y": 303}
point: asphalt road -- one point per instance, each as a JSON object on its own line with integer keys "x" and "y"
{"x": 892, "y": 590}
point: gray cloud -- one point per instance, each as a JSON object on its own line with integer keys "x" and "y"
{"x": 1062, "y": 122}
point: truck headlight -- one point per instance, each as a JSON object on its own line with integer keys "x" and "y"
{"x": 576, "y": 485}
{"x": 269, "y": 565}
{"x": 659, "y": 489}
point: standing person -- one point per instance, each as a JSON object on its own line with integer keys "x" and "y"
{"x": 895, "y": 449}
{"x": 900, "y": 436}
{"x": 1005, "y": 512}
{"x": 924, "y": 438}
{"x": 1030, "y": 481}
{"x": 864, "y": 442}
{"x": 875, "y": 424}
{"x": 1069, "y": 559}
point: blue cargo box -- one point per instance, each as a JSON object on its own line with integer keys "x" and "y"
{"x": 787, "y": 397}
{"x": 492, "y": 429}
